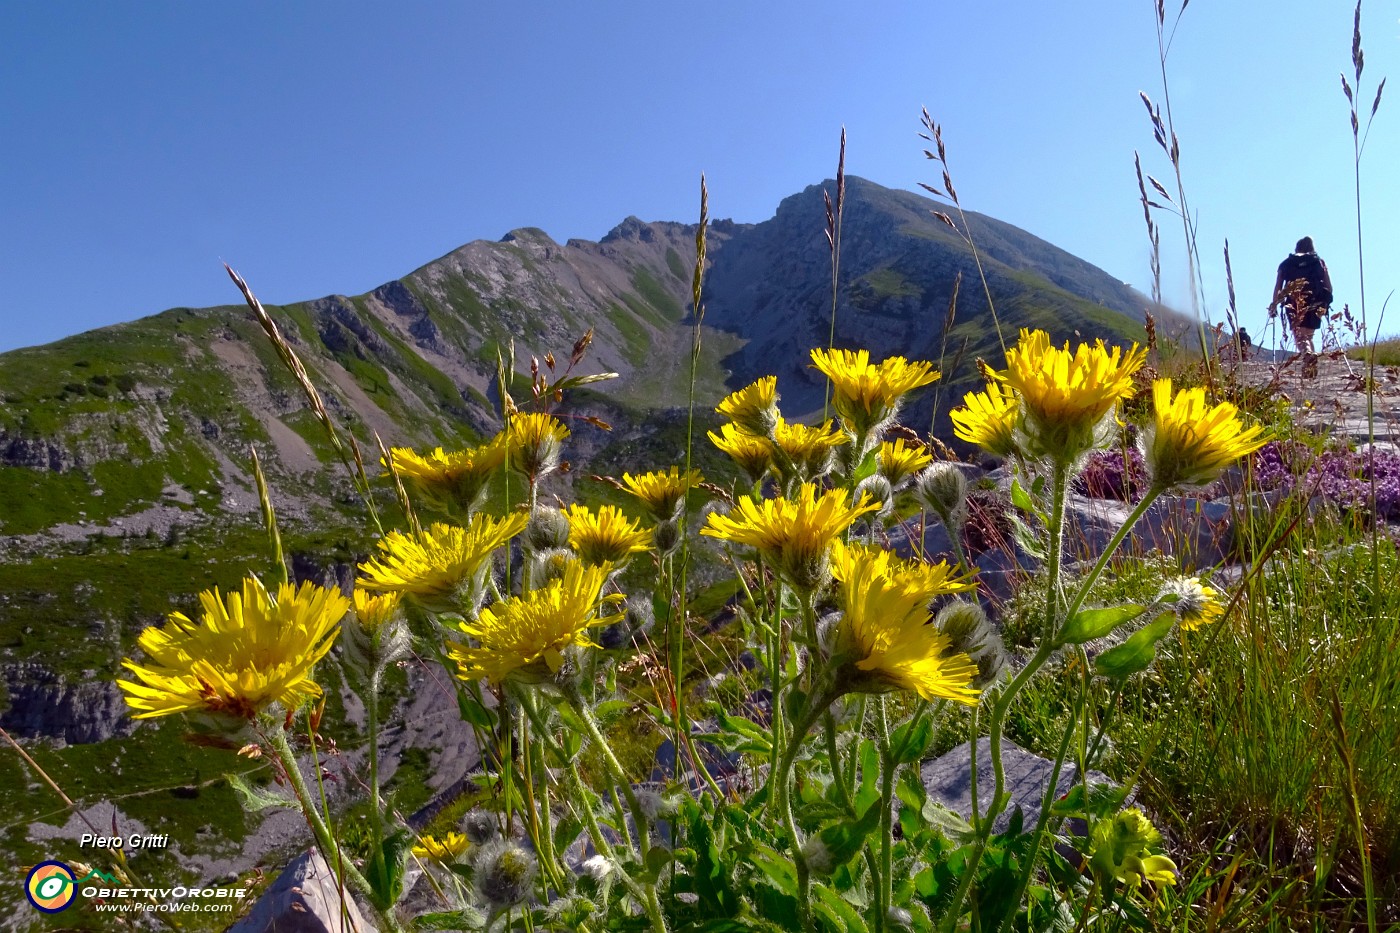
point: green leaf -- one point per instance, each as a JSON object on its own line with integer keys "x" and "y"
{"x": 385, "y": 869}
{"x": 869, "y": 789}
{"x": 837, "y": 911}
{"x": 1026, "y": 537}
{"x": 1137, "y": 652}
{"x": 909, "y": 742}
{"x": 473, "y": 710}
{"x": 1088, "y": 624}
{"x": 951, "y": 823}
{"x": 254, "y": 798}
{"x": 844, "y": 840}
{"x": 468, "y": 918}
{"x": 711, "y": 874}
{"x": 608, "y": 711}
{"x": 777, "y": 868}
{"x": 1020, "y": 498}
{"x": 866, "y": 468}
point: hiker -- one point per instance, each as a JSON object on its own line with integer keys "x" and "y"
{"x": 1242, "y": 344}
{"x": 1304, "y": 288}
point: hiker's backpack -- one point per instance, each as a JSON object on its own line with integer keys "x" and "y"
{"x": 1309, "y": 268}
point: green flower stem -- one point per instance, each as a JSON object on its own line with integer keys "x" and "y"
{"x": 1044, "y": 650}
{"x": 775, "y": 677}
{"x": 817, "y": 704}
{"x": 887, "y": 769}
{"x": 535, "y": 759}
{"x": 619, "y": 776}
{"x": 646, "y": 896}
{"x": 834, "y": 753}
{"x": 376, "y": 807}
{"x": 335, "y": 858}
{"x": 1153, "y": 493}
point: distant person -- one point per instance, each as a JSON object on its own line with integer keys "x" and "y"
{"x": 1243, "y": 345}
{"x": 1304, "y": 289}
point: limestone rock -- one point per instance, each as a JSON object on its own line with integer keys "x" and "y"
{"x": 305, "y": 898}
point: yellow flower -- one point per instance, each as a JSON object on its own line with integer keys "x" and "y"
{"x": 375, "y": 612}
{"x": 1120, "y": 851}
{"x": 1191, "y": 443}
{"x": 536, "y": 441}
{"x": 450, "y": 480}
{"x": 524, "y": 637}
{"x": 808, "y": 448}
{"x": 440, "y": 567}
{"x": 605, "y": 537}
{"x": 246, "y": 652}
{"x": 900, "y": 460}
{"x": 662, "y": 493}
{"x": 1066, "y": 395}
{"x": 885, "y": 625}
{"x": 795, "y": 534}
{"x": 753, "y": 454}
{"x": 446, "y": 849}
{"x": 867, "y": 394}
{"x": 753, "y": 408}
{"x": 988, "y": 420}
{"x": 1196, "y": 603}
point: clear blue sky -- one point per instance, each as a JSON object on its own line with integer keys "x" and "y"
{"x": 327, "y": 148}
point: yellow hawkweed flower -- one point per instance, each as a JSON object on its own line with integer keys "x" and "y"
{"x": 246, "y": 652}
{"x": 753, "y": 454}
{"x": 753, "y": 408}
{"x": 900, "y": 460}
{"x": 662, "y": 493}
{"x": 536, "y": 441}
{"x": 441, "y": 567}
{"x": 988, "y": 420}
{"x": 808, "y": 448}
{"x": 524, "y": 637}
{"x": 446, "y": 849}
{"x": 1120, "y": 851}
{"x": 1191, "y": 443}
{"x": 375, "y": 612}
{"x": 605, "y": 537}
{"x": 867, "y": 394}
{"x": 794, "y": 534}
{"x": 450, "y": 480}
{"x": 1067, "y": 395}
{"x": 885, "y": 625}
{"x": 1196, "y": 603}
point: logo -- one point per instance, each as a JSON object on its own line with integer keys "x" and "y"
{"x": 50, "y": 886}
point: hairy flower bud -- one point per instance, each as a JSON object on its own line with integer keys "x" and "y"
{"x": 480, "y": 827}
{"x": 504, "y": 873}
{"x": 972, "y": 634}
{"x": 548, "y": 529}
{"x": 942, "y": 489}
{"x": 818, "y": 856}
{"x": 879, "y": 489}
{"x": 667, "y": 536}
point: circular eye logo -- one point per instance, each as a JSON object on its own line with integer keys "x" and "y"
{"x": 50, "y": 886}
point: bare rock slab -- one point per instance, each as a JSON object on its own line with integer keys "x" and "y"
{"x": 304, "y": 899}
{"x": 948, "y": 780}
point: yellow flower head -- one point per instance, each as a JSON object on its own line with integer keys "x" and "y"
{"x": 662, "y": 493}
{"x": 446, "y": 849}
{"x": 886, "y": 629}
{"x": 753, "y": 454}
{"x": 1196, "y": 603}
{"x": 375, "y": 612}
{"x": 808, "y": 448}
{"x": 794, "y": 534}
{"x": 524, "y": 637}
{"x": 900, "y": 460}
{"x": 988, "y": 419}
{"x": 606, "y": 536}
{"x": 867, "y": 394}
{"x": 1190, "y": 443}
{"x": 753, "y": 408}
{"x": 536, "y": 441}
{"x": 450, "y": 481}
{"x": 1067, "y": 395}
{"x": 1121, "y": 851}
{"x": 442, "y": 566}
{"x": 246, "y": 652}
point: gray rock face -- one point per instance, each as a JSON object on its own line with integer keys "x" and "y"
{"x": 46, "y": 705}
{"x": 949, "y": 780}
{"x": 35, "y": 453}
{"x": 1197, "y": 530}
{"x": 304, "y": 899}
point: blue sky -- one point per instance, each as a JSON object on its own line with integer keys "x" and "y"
{"x": 327, "y": 148}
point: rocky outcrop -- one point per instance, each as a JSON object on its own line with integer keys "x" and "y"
{"x": 36, "y": 453}
{"x": 305, "y": 898}
{"x": 47, "y": 705}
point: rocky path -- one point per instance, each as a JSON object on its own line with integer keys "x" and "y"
{"x": 1335, "y": 401}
